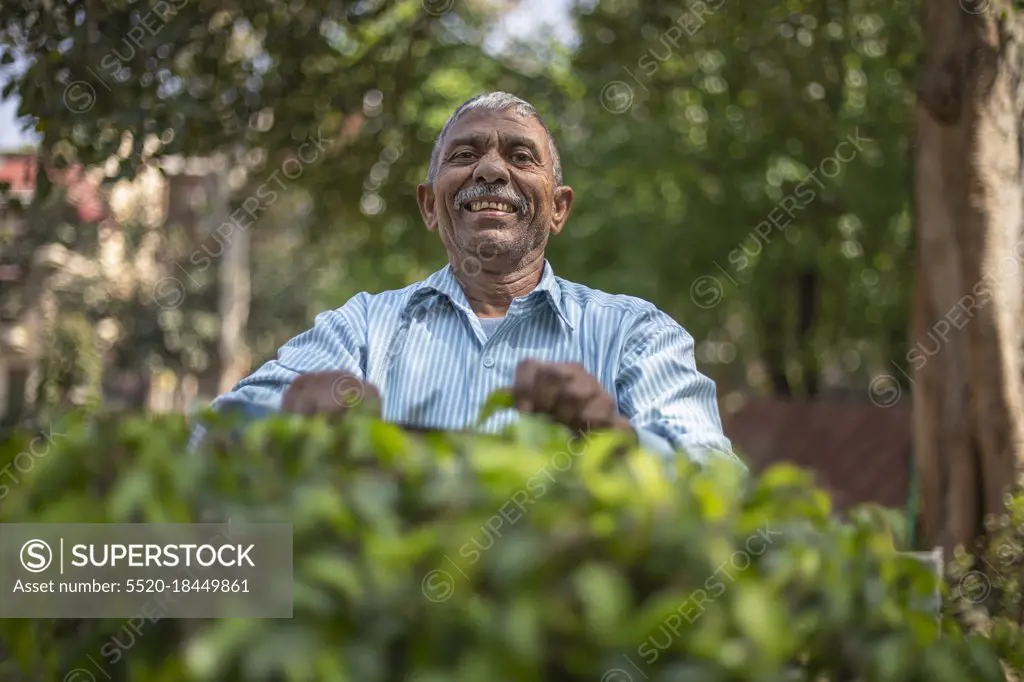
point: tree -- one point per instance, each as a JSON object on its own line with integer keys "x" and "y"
{"x": 252, "y": 82}
{"x": 968, "y": 321}
{"x": 742, "y": 105}
{"x": 717, "y": 158}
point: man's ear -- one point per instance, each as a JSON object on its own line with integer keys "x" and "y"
{"x": 428, "y": 205}
{"x": 563, "y": 206}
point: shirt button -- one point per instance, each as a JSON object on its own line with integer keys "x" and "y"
{"x": 488, "y": 361}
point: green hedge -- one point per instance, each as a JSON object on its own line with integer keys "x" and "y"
{"x": 447, "y": 558}
{"x": 987, "y": 594}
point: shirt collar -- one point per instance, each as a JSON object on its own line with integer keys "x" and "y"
{"x": 443, "y": 282}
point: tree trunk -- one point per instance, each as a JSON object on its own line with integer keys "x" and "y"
{"x": 968, "y": 314}
{"x": 807, "y": 313}
{"x": 769, "y": 324}
{"x": 234, "y": 292}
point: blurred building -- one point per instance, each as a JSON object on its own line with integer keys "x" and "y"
{"x": 101, "y": 261}
{"x": 17, "y": 174}
{"x": 26, "y": 267}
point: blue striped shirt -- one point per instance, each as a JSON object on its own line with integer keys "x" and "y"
{"x": 427, "y": 353}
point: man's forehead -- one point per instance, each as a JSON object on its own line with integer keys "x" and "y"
{"x": 487, "y": 121}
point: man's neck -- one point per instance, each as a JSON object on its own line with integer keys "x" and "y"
{"x": 491, "y": 293}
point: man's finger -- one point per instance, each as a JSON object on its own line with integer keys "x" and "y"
{"x": 347, "y": 391}
{"x": 326, "y": 393}
{"x": 577, "y": 392}
{"x": 523, "y": 386}
{"x": 304, "y": 403}
{"x": 293, "y": 399}
{"x": 370, "y": 394}
{"x": 547, "y": 387}
{"x": 599, "y": 413}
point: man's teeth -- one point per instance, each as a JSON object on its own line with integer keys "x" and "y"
{"x": 491, "y": 205}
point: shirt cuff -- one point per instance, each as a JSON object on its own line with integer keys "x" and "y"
{"x": 251, "y": 408}
{"x": 700, "y": 452}
{"x": 250, "y": 411}
{"x": 655, "y": 444}
{"x": 247, "y": 409}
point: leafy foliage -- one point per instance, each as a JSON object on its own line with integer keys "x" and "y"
{"x": 733, "y": 133}
{"x": 66, "y": 365}
{"x": 729, "y": 111}
{"x": 988, "y": 596}
{"x": 528, "y": 556}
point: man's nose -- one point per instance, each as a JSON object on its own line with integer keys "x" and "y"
{"x": 491, "y": 168}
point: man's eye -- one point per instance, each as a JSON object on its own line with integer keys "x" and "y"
{"x": 521, "y": 157}
{"x": 465, "y": 154}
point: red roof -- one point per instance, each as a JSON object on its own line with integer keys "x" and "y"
{"x": 83, "y": 192}
{"x": 19, "y": 170}
{"x": 859, "y": 452}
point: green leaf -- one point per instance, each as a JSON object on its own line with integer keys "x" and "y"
{"x": 605, "y": 596}
{"x": 498, "y": 400}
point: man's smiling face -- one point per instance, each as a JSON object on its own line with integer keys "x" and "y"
{"x": 494, "y": 193}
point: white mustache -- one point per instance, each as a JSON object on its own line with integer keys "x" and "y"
{"x": 472, "y": 193}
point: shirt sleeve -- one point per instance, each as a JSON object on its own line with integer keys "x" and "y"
{"x": 336, "y": 342}
{"x": 671, "y": 405}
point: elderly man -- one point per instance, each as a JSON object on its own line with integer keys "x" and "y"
{"x": 497, "y": 316}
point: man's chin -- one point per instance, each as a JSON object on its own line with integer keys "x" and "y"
{"x": 489, "y": 243}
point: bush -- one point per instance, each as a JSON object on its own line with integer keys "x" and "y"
{"x": 449, "y": 557}
{"x": 987, "y": 595}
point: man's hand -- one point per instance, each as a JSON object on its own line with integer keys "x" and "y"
{"x": 568, "y": 393}
{"x": 327, "y": 393}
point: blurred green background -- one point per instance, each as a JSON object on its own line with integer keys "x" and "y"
{"x": 745, "y": 166}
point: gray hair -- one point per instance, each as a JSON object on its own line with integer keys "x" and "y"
{"x": 495, "y": 101}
